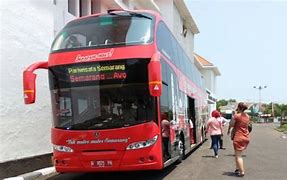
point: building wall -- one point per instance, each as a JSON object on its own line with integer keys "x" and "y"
{"x": 174, "y": 21}
{"x": 166, "y": 11}
{"x": 61, "y": 15}
{"x": 206, "y": 78}
{"x": 210, "y": 79}
{"x": 210, "y": 84}
{"x": 26, "y": 35}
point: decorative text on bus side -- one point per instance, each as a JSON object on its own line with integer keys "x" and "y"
{"x": 92, "y": 57}
{"x": 98, "y": 141}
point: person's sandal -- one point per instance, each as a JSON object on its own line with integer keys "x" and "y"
{"x": 239, "y": 174}
{"x": 236, "y": 171}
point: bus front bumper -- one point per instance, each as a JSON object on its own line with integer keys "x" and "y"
{"x": 131, "y": 160}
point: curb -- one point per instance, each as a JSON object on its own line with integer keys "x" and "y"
{"x": 34, "y": 174}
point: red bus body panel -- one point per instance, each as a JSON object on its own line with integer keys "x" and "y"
{"x": 143, "y": 51}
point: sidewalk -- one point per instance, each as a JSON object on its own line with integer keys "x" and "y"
{"x": 34, "y": 174}
{"x": 21, "y": 166}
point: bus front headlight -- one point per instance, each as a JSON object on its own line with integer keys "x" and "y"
{"x": 62, "y": 148}
{"x": 142, "y": 144}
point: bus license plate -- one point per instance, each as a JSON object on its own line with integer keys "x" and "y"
{"x": 102, "y": 163}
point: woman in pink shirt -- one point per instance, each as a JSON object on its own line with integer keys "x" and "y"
{"x": 214, "y": 128}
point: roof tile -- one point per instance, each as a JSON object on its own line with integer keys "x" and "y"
{"x": 201, "y": 60}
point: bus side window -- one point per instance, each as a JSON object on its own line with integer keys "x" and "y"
{"x": 163, "y": 69}
{"x": 163, "y": 41}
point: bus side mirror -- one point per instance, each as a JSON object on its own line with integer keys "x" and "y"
{"x": 29, "y": 87}
{"x": 154, "y": 76}
{"x": 29, "y": 81}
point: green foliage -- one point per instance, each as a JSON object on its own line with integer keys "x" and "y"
{"x": 232, "y": 100}
{"x": 279, "y": 110}
{"x": 221, "y": 102}
{"x": 283, "y": 128}
{"x": 254, "y": 118}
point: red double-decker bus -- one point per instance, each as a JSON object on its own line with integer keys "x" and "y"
{"x": 118, "y": 81}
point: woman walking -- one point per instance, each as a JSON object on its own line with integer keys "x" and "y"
{"x": 214, "y": 128}
{"x": 240, "y": 137}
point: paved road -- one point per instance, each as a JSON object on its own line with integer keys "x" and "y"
{"x": 265, "y": 159}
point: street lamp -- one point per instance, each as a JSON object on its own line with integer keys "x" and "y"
{"x": 259, "y": 88}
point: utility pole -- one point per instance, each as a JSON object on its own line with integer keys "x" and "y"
{"x": 259, "y": 88}
{"x": 272, "y": 111}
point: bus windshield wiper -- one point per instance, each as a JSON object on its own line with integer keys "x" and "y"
{"x": 112, "y": 12}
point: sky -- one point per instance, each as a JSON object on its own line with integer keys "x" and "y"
{"x": 247, "y": 41}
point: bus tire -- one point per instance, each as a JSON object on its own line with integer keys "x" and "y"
{"x": 203, "y": 131}
{"x": 202, "y": 136}
{"x": 181, "y": 148}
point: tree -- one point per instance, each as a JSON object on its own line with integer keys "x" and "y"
{"x": 283, "y": 112}
{"x": 232, "y": 100}
{"x": 268, "y": 109}
{"x": 220, "y": 103}
{"x": 279, "y": 110}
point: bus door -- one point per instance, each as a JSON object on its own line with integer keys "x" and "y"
{"x": 166, "y": 136}
{"x": 192, "y": 120}
{"x": 174, "y": 137}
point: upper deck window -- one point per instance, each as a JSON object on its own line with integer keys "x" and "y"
{"x": 107, "y": 30}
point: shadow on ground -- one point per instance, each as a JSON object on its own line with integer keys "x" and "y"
{"x": 232, "y": 174}
{"x": 232, "y": 155}
{"x": 208, "y": 156}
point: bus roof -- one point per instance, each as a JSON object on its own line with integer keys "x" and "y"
{"x": 154, "y": 13}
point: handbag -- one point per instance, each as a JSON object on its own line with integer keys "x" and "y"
{"x": 249, "y": 127}
{"x": 232, "y": 133}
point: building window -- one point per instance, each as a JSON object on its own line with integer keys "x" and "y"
{"x": 85, "y": 7}
{"x": 184, "y": 30}
{"x": 80, "y": 8}
{"x": 95, "y": 6}
{"x": 72, "y": 7}
{"x": 126, "y": 2}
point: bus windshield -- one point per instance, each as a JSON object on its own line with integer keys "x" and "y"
{"x": 101, "y": 95}
{"x": 105, "y": 30}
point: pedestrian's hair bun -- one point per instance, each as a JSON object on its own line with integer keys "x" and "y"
{"x": 242, "y": 107}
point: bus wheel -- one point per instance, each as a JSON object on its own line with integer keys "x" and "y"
{"x": 181, "y": 148}
{"x": 202, "y": 136}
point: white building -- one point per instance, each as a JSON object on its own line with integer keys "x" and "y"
{"x": 210, "y": 73}
{"x": 26, "y": 35}
{"x": 27, "y": 30}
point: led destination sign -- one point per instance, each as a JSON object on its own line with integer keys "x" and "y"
{"x": 121, "y": 72}
{"x": 97, "y": 72}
